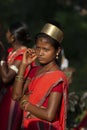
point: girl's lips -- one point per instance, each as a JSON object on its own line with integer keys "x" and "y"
{"x": 41, "y": 59}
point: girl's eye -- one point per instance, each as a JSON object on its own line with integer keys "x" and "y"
{"x": 37, "y": 48}
{"x": 45, "y": 49}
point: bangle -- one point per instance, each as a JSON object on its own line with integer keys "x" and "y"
{"x": 19, "y": 77}
{"x": 23, "y": 102}
{"x": 13, "y": 67}
{"x": 2, "y": 62}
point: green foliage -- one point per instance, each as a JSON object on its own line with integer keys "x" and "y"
{"x": 77, "y": 109}
{"x": 75, "y": 44}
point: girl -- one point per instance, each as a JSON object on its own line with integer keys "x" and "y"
{"x": 45, "y": 103}
{"x": 18, "y": 37}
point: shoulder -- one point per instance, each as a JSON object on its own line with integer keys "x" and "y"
{"x": 62, "y": 76}
{"x": 9, "y": 49}
{"x": 58, "y": 88}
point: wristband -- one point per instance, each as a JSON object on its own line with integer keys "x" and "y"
{"x": 13, "y": 67}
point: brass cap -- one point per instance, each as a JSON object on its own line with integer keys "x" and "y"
{"x": 53, "y": 32}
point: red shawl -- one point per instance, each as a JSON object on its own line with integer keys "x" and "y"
{"x": 12, "y": 55}
{"x": 40, "y": 88}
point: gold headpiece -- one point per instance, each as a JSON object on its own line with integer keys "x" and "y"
{"x": 53, "y": 32}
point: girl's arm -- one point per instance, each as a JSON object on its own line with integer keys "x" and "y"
{"x": 18, "y": 88}
{"x": 18, "y": 85}
{"x": 8, "y": 73}
{"x": 44, "y": 113}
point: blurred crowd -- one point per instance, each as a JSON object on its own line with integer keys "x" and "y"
{"x": 78, "y": 5}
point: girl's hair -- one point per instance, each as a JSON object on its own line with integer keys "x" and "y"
{"x": 20, "y": 32}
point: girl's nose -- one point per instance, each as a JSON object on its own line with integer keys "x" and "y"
{"x": 40, "y": 52}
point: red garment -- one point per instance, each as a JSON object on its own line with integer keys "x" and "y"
{"x": 40, "y": 98}
{"x": 57, "y": 88}
{"x": 10, "y": 113}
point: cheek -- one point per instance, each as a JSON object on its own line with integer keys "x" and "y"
{"x": 51, "y": 56}
{"x": 7, "y": 36}
{"x": 37, "y": 52}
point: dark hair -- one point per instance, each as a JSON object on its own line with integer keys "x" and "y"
{"x": 20, "y": 32}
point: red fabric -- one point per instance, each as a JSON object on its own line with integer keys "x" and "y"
{"x": 13, "y": 54}
{"x": 53, "y": 77}
{"x": 40, "y": 97}
{"x": 10, "y": 49}
{"x": 19, "y": 58}
{"x": 58, "y": 88}
{"x": 4, "y": 110}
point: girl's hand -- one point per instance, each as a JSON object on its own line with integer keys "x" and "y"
{"x": 29, "y": 56}
{"x": 23, "y": 101}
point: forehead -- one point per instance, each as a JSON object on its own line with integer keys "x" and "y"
{"x": 43, "y": 40}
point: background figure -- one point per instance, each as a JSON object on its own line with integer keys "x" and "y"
{"x": 64, "y": 61}
{"x": 18, "y": 37}
{"x": 81, "y": 7}
{"x": 45, "y": 103}
{"x": 64, "y": 66}
{"x": 65, "y": 2}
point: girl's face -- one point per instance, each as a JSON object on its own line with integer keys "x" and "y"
{"x": 46, "y": 53}
{"x": 9, "y": 37}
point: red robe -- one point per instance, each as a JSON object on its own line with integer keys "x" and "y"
{"x": 46, "y": 82}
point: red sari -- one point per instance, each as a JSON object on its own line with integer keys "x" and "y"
{"x": 10, "y": 113}
{"x": 38, "y": 97}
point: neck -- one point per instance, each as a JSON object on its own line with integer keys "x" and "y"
{"x": 16, "y": 45}
{"x": 48, "y": 64}
{"x": 52, "y": 66}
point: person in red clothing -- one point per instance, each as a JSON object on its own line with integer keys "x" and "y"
{"x": 45, "y": 102}
{"x": 18, "y": 37}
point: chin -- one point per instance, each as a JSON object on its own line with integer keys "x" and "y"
{"x": 42, "y": 64}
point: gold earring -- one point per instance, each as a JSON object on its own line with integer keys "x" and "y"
{"x": 57, "y": 56}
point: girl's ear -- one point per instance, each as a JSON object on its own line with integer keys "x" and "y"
{"x": 12, "y": 38}
{"x": 58, "y": 53}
